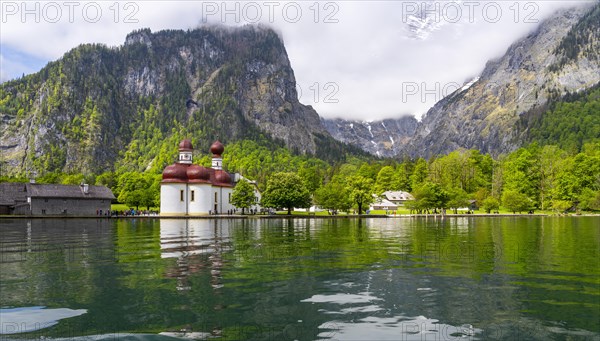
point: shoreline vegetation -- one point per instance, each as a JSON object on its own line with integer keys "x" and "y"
{"x": 544, "y": 179}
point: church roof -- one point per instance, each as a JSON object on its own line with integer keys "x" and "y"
{"x": 192, "y": 173}
{"x": 186, "y": 145}
{"x": 217, "y": 148}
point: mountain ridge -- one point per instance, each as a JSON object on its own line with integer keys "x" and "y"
{"x": 558, "y": 58}
{"x": 100, "y": 108}
{"x": 125, "y": 108}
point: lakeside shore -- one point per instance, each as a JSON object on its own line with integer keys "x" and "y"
{"x": 296, "y": 216}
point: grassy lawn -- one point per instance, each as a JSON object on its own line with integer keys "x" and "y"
{"x": 119, "y": 207}
{"x": 123, "y": 207}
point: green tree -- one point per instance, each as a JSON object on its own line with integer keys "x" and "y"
{"x": 135, "y": 189}
{"x": 384, "y": 179}
{"x": 311, "y": 177}
{"x": 286, "y": 190}
{"x": 369, "y": 170}
{"x": 51, "y": 178}
{"x": 107, "y": 179}
{"x": 429, "y": 196}
{"x": 457, "y": 198}
{"x": 490, "y": 204}
{"x": 147, "y": 197}
{"x": 401, "y": 179}
{"x": 521, "y": 172}
{"x": 551, "y": 161}
{"x": 481, "y": 194}
{"x": 361, "y": 191}
{"x": 154, "y": 190}
{"x": 73, "y": 179}
{"x": 420, "y": 173}
{"x": 515, "y": 201}
{"x": 243, "y": 195}
{"x": 578, "y": 173}
{"x": 333, "y": 196}
{"x": 589, "y": 200}
{"x": 561, "y": 205}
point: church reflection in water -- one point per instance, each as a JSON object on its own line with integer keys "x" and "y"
{"x": 198, "y": 245}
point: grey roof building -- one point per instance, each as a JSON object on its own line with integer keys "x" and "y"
{"x": 41, "y": 199}
{"x": 398, "y": 197}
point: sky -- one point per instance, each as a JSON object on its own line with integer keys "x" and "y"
{"x": 359, "y": 60}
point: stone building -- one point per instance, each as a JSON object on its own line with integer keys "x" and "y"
{"x": 43, "y": 199}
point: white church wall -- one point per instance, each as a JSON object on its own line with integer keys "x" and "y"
{"x": 170, "y": 199}
{"x": 202, "y": 199}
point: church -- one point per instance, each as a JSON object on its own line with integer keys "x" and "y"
{"x": 189, "y": 189}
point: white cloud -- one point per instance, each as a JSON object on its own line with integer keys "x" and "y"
{"x": 360, "y": 56}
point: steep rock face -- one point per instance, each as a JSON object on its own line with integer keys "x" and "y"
{"x": 534, "y": 70}
{"x": 560, "y": 57}
{"x": 248, "y": 65}
{"x": 386, "y": 138}
{"x": 98, "y": 106}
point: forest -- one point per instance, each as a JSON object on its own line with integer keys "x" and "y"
{"x": 531, "y": 178}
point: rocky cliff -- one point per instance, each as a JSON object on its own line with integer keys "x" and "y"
{"x": 558, "y": 58}
{"x": 98, "y": 107}
{"x": 385, "y": 138}
{"x": 125, "y": 108}
{"x": 492, "y": 112}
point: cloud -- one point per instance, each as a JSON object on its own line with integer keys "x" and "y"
{"x": 352, "y": 59}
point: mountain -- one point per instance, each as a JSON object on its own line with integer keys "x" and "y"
{"x": 99, "y": 108}
{"x": 125, "y": 108}
{"x": 559, "y": 57}
{"x": 505, "y": 107}
{"x": 385, "y": 138}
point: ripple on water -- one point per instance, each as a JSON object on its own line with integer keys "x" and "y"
{"x": 395, "y": 328}
{"x": 28, "y": 319}
{"x": 342, "y": 298}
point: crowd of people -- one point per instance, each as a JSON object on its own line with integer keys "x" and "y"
{"x": 126, "y": 213}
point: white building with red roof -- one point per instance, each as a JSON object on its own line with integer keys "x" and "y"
{"x": 190, "y": 189}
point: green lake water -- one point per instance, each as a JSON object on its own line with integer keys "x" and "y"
{"x": 506, "y": 278}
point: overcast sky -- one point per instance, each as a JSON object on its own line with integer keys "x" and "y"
{"x": 352, "y": 59}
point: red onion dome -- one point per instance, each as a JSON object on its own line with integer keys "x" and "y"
{"x": 195, "y": 172}
{"x": 185, "y": 145}
{"x": 217, "y": 148}
{"x": 222, "y": 177}
{"x": 176, "y": 172}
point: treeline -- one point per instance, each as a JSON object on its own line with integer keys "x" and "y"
{"x": 569, "y": 123}
{"x": 583, "y": 33}
{"x": 531, "y": 178}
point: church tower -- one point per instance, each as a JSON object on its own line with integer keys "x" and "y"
{"x": 217, "y": 149}
{"x": 185, "y": 152}
{"x": 188, "y": 189}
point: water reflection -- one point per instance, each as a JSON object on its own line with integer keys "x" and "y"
{"x": 187, "y": 239}
{"x": 473, "y": 278}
